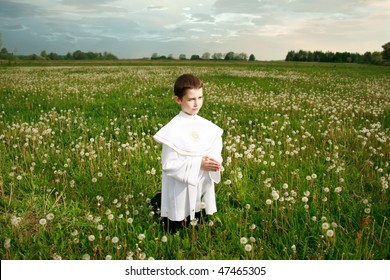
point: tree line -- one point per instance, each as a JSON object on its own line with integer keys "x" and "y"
{"x": 342, "y": 57}
{"x": 76, "y": 55}
{"x": 208, "y": 56}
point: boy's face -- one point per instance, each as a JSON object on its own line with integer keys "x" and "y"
{"x": 191, "y": 102}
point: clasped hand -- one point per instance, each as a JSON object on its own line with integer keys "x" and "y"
{"x": 210, "y": 164}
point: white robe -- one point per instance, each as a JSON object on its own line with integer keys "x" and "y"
{"x": 186, "y": 189}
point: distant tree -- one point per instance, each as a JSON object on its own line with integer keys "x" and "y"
{"x": 229, "y": 56}
{"x": 386, "y": 52}
{"x": 170, "y": 56}
{"x": 154, "y": 56}
{"x": 241, "y": 56}
{"x": 252, "y": 57}
{"x": 79, "y": 55}
{"x": 53, "y": 56}
{"x": 217, "y": 56}
{"x": 195, "y": 57}
{"x": 367, "y": 57}
{"x": 376, "y": 58}
{"x": 206, "y": 55}
{"x": 182, "y": 57}
{"x": 4, "y": 53}
{"x": 43, "y": 54}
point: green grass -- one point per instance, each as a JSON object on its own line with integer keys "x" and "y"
{"x": 306, "y": 161}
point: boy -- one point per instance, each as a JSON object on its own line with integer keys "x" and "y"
{"x": 191, "y": 157}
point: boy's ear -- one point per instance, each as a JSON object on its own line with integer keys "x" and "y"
{"x": 177, "y": 100}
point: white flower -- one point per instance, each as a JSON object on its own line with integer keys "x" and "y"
{"x": 330, "y": 233}
{"x": 294, "y": 248}
{"x": 248, "y": 206}
{"x": 248, "y": 247}
{"x": 325, "y": 226}
{"x": 142, "y": 256}
{"x": 130, "y": 220}
{"x": 42, "y": 221}
{"x": 91, "y": 237}
{"x": 50, "y": 216}
{"x": 305, "y": 199}
{"x": 7, "y": 243}
{"x": 86, "y": 257}
{"x": 268, "y": 201}
{"x": 243, "y": 240}
{"x": 108, "y": 257}
{"x": 194, "y": 222}
{"x": 164, "y": 239}
{"x": 275, "y": 195}
{"x": 141, "y": 236}
{"x": 115, "y": 240}
{"x": 94, "y": 180}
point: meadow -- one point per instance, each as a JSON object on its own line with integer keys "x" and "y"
{"x": 306, "y": 161}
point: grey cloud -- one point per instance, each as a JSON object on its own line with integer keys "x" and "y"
{"x": 14, "y": 27}
{"x": 16, "y": 10}
{"x": 202, "y": 18}
{"x": 234, "y": 6}
{"x": 85, "y": 4}
{"x": 156, "y": 8}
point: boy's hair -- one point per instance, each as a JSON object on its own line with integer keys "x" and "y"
{"x": 184, "y": 82}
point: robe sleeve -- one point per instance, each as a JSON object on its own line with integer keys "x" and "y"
{"x": 217, "y": 155}
{"x": 182, "y": 168}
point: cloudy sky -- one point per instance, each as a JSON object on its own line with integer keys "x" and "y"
{"x": 138, "y": 28}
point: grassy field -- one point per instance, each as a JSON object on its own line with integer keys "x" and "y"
{"x": 306, "y": 161}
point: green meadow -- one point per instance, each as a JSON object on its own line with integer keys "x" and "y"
{"x": 306, "y": 161}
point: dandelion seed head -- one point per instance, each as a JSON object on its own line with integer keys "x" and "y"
{"x": 142, "y": 256}
{"x": 7, "y": 243}
{"x": 329, "y": 233}
{"x": 50, "y": 216}
{"x": 43, "y": 221}
{"x": 248, "y": 247}
{"x": 243, "y": 240}
{"x": 325, "y": 226}
{"x": 91, "y": 238}
{"x": 194, "y": 222}
{"x": 86, "y": 257}
{"x": 141, "y": 236}
{"x": 115, "y": 240}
